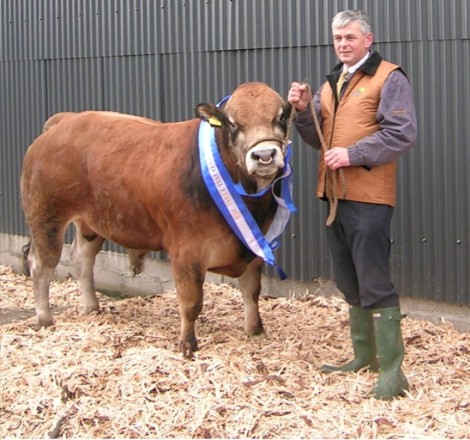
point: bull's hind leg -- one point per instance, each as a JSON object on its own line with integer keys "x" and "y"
{"x": 85, "y": 247}
{"x": 189, "y": 280}
{"x": 42, "y": 258}
{"x": 250, "y": 286}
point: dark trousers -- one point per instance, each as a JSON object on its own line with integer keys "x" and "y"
{"x": 359, "y": 241}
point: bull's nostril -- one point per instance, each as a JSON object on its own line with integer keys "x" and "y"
{"x": 264, "y": 156}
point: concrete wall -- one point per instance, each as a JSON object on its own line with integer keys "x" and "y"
{"x": 112, "y": 275}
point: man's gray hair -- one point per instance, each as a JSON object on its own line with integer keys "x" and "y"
{"x": 343, "y": 18}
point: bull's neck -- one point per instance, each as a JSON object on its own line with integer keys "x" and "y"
{"x": 252, "y": 188}
{"x": 231, "y": 205}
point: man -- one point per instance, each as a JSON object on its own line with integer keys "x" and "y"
{"x": 366, "y": 125}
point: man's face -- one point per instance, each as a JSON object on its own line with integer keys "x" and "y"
{"x": 351, "y": 44}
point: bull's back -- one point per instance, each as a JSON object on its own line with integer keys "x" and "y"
{"x": 121, "y": 174}
{"x": 100, "y": 149}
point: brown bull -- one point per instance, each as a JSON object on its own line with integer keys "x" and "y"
{"x": 138, "y": 183}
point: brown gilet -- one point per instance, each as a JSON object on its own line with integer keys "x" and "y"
{"x": 353, "y": 119}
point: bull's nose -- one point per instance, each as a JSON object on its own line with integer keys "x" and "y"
{"x": 265, "y": 155}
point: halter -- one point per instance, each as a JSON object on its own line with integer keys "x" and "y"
{"x": 282, "y": 143}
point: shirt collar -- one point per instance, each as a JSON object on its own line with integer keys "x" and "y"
{"x": 356, "y": 66}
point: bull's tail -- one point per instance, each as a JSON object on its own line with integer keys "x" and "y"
{"x": 25, "y": 249}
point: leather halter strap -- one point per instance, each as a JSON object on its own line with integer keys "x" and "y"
{"x": 282, "y": 143}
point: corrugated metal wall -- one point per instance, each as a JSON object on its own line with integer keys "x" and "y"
{"x": 159, "y": 58}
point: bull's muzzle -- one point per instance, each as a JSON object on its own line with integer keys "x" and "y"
{"x": 265, "y": 158}
{"x": 264, "y": 155}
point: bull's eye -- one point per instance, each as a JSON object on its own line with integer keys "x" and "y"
{"x": 234, "y": 131}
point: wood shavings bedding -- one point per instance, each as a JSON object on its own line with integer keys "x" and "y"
{"x": 117, "y": 374}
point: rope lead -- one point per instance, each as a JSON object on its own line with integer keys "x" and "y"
{"x": 331, "y": 176}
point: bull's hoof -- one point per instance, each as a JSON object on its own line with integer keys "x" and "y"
{"x": 93, "y": 308}
{"x": 258, "y": 336}
{"x": 92, "y": 311}
{"x": 255, "y": 331}
{"x": 188, "y": 348}
{"x": 44, "y": 323}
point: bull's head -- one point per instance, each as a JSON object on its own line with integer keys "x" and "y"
{"x": 254, "y": 120}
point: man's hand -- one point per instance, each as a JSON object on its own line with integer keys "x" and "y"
{"x": 336, "y": 158}
{"x": 299, "y": 96}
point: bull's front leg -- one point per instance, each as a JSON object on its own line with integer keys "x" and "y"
{"x": 250, "y": 286}
{"x": 189, "y": 280}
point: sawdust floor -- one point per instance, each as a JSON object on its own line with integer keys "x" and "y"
{"x": 117, "y": 374}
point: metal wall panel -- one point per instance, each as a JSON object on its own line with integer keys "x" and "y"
{"x": 133, "y": 85}
{"x": 38, "y": 29}
{"x": 63, "y": 28}
{"x": 74, "y": 84}
{"x": 432, "y": 227}
{"x": 161, "y": 58}
{"x": 23, "y": 108}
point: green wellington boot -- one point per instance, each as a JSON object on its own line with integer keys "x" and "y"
{"x": 390, "y": 353}
{"x": 363, "y": 340}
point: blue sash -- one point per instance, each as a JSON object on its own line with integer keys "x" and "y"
{"x": 228, "y": 198}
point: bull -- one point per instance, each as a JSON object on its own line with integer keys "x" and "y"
{"x": 139, "y": 183}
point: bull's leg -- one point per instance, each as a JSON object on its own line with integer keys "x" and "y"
{"x": 42, "y": 258}
{"x": 250, "y": 286}
{"x": 42, "y": 276}
{"x": 189, "y": 280}
{"x": 85, "y": 247}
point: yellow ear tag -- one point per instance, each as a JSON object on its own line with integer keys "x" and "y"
{"x": 214, "y": 122}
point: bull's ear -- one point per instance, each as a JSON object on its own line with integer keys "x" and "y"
{"x": 284, "y": 118}
{"x": 210, "y": 112}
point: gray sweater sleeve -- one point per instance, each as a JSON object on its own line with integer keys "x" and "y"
{"x": 397, "y": 131}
